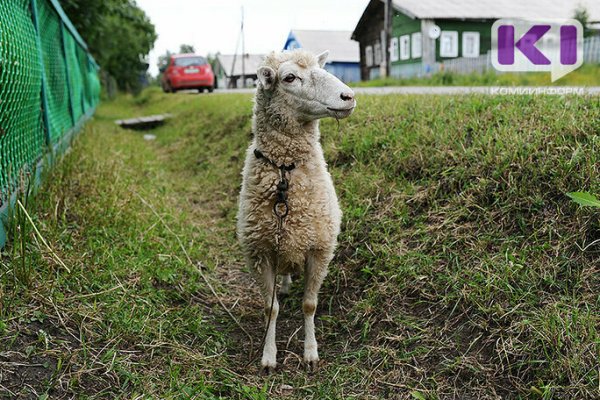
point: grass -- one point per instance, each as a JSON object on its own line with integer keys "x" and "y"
{"x": 586, "y": 75}
{"x": 460, "y": 272}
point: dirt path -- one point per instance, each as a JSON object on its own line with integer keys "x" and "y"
{"x": 240, "y": 295}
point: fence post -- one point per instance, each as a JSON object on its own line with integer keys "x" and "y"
{"x": 67, "y": 72}
{"x": 3, "y": 219}
{"x": 38, "y": 38}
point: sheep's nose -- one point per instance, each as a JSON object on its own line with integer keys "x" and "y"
{"x": 347, "y": 96}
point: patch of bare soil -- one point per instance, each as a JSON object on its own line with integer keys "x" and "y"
{"x": 44, "y": 359}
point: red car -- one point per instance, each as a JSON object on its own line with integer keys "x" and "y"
{"x": 188, "y": 71}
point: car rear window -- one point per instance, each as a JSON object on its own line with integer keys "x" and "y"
{"x": 189, "y": 61}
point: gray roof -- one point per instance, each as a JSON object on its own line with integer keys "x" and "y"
{"x": 341, "y": 47}
{"x": 494, "y": 9}
{"x": 251, "y": 63}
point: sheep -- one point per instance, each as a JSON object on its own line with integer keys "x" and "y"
{"x": 293, "y": 93}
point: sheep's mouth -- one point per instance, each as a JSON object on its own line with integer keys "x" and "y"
{"x": 341, "y": 109}
{"x": 340, "y": 112}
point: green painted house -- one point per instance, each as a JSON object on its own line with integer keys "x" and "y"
{"x": 425, "y": 35}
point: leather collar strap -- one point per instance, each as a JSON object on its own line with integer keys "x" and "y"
{"x": 258, "y": 154}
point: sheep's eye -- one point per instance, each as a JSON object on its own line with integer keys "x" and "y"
{"x": 290, "y": 78}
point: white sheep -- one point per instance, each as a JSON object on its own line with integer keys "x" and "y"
{"x": 294, "y": 92}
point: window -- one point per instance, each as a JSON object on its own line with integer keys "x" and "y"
{"x": 377, "y": 53}
{"x": 470, "y": 44}
{"x": 394, "y": 49}
{"x": 187, "y": 61}
{"x": 369, "y": 55}
{"x": 417, "y": 41}
{"x": 405, "y": 47}
{"x": 449, "y": 44}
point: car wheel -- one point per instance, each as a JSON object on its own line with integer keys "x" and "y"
{"x": 211, "y": 89}
{"x": 201, "y": 90}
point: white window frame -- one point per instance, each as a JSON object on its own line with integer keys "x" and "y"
{"x": 369, "y": 56}
{"x": 452, "y": 51}
{"x": 416, "y": 48}
{"x": 476, "y": 44}
{"x": 405, "y": 47}
{"x": 378, "y": 55}
{"x": 394, "y": 54}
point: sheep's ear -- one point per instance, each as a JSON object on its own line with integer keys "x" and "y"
{"x": 322, "y": 58}
{"x": 266, "y": 76}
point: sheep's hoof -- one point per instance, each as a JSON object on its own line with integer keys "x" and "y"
{"x": 312, "y": 365}
{"x": 267, "y": 370}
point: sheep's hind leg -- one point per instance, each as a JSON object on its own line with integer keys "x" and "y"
{"x": 286, "y": 282}
{"x": 269, "y": 357}
{"x": 315, "y": 272}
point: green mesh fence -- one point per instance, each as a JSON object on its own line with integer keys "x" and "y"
{"x": 76, "y": 76}
{"x": 49, "y": 86}
{"x": 22, "y": 139}
{"x": 55, "y": 72}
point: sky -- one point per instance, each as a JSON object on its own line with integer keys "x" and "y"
{"x": 213, "y": 26}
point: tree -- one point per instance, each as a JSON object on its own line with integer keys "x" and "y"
{"x": 186, "y": 48}
{"x": 118, "y": 34}
{"x": 583, "y": 16}
{"x": 212, "y": 58}
{"x": 163, "y": 60}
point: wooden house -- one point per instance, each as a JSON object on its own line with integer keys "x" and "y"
{"x": 230, "y": 68}
{"x": 422, "y": 34}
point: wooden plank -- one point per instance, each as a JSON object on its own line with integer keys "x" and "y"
{"x": 143, "y": 123}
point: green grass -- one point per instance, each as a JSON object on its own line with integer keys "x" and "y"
{"x": 586, "y": 75}
{"x": 460, "y": 271}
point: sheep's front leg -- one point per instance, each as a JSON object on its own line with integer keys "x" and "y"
{"x": 269, "y": 357}
{"x": 315, "y": 272}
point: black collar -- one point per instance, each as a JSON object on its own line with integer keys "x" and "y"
{"x": 258, "y": 154}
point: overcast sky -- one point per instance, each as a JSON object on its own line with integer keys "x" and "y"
{"x": 214, "y": 25}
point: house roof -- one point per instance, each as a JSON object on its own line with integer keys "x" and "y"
{"x": 485, "y": 9}
{"x": 251, "y": 63}
{"x": 341, "y": 47}
{"x": 494, "y": 9}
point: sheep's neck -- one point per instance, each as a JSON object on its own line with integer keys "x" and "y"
{"x": 283, "y": 140}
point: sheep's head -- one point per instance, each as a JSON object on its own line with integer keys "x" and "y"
{"x": 298, "y": 83}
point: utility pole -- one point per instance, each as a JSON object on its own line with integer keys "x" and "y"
{"x": 243, "y": 53}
